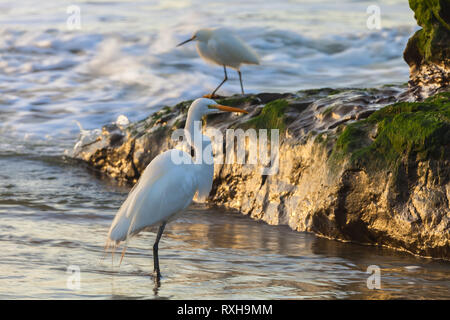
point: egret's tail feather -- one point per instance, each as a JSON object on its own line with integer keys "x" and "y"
{"x": 123, "y": 254}
{"x": 111, "y": 244}
{"x": 119, "y": 232}
{"x": 122, "y": 225}
{"x": 105, "y": 250}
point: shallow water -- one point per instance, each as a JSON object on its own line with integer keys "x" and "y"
{"x": 54, "y": 213}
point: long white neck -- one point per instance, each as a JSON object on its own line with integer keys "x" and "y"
{"x": 193, "y": 126}
{"x": 203, "y": 152}
{"x": 194, "y": 133}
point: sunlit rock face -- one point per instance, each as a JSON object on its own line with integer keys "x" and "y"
{"x": 354, "y": 164}
{"x": 428, "y": 50}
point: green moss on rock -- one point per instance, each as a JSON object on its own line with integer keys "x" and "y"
{"x": 405, "y": 130}
{"x": 183, "y": 106}
{"x": 432, "y": 42}
{"x": 427, "y": 12}
{"x": 272, "y": 116}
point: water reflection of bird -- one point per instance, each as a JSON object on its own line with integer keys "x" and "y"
{"x": 169, "y": 183}
{"x": 221, "y": 47}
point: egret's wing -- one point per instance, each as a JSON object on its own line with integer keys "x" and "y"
{"x": 169, "y": 195}
{"x": 164, "y": 189}
{"x": 230, "y": 49}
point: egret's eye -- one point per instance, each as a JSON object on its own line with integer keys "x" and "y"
{"x": 212, "y": 106}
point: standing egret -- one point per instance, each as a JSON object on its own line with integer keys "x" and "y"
{"x": 221, "y": 47}
{"x": 167, "y": 187}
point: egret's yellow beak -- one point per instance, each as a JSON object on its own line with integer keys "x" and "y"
{"x": 226, "y": 108}
{"x": 180, "y": 44}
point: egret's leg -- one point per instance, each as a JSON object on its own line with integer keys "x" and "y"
{"x": 223, "y": 81}
{"x": 240, "y": 79}
{"x": 156, "y": 271}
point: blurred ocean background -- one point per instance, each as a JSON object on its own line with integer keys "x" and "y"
{"x": 123, "y": 61}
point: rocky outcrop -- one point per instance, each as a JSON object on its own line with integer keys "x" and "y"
{"x": 354, "y": 165}
{"x": 428, "y": 50}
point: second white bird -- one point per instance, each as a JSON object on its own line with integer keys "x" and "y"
{"x": 221, "y": 47}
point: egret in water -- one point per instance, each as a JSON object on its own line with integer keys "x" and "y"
{"x": 168, "y": 184}
{"x": 221, "y": 47}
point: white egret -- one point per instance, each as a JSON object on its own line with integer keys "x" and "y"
{"x": 221, "y": 47}
{"x": 167, "y": 187}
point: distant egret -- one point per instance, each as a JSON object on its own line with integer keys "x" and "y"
{"x": 223, "y": 48}
{"x": 166, "y": 188}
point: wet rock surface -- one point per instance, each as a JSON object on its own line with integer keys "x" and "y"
{"x": 349, "y": 167}
{"x": 428, "y": 50}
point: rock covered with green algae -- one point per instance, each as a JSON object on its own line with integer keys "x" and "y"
{"x": 354, "y": 164}
{"x": 428, "y": 50}
{"x": 401, "y": 153}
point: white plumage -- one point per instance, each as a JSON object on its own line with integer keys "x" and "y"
{"x": 222, "y": 47}
{"x": 169, "y": 183}
{"x": 163, "y": 190}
